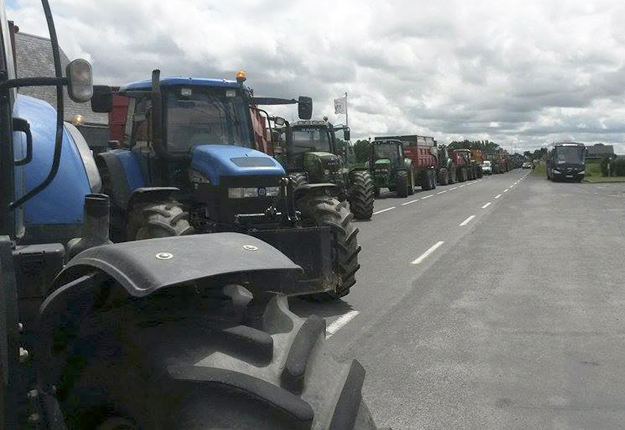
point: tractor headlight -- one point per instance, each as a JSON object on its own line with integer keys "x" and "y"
{"x": 272, "y": 191}
{"x": 235, "y": 193}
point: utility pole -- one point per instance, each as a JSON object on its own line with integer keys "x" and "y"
{"x": 346, "y": 116}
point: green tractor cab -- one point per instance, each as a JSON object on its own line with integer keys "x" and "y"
{"x": 313, "y": 154}
{"x": 390, "y": 168}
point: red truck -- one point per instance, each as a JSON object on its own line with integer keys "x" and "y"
{"x": 465, "y": 169}
{"x": 423, "y": 152}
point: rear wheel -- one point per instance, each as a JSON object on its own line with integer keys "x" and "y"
{"x": 403, "y": 179}
{"x": 362, "y": 195}
{"x": 167, "y": 365}
{"x": 160, "y": 219}
{"x": 327, "y": 211}
{"x": 444, "y": 176}
{"x": 453, "y": 176}
{"x": 426, "y": 183}
{"x": 432, "y": 174}
{"x": 462, "y": 176}
{"x": 480, "y": 173}
{"x": 411, "y": 184}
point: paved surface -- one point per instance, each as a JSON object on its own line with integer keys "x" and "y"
{"x": 515, "y": 320}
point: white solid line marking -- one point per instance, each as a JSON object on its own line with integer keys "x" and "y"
{"x": 428, "y": 252}
{"x": 427, "y": 197}
{"x": 384, "y": 210}
{"x": 340, "y": 322}
{"x": 410, "y": 202}
{"x": 454, "y": 188}
{"x": 498, "y": 195}
{"x": 486, "y": 205}
{"x": 442, "y": 192}
{"x": 466, "y": 221}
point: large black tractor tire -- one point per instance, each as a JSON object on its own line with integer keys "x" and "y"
{"x": 362, "y": 195}
{"x": 376, "y": 191}
{"x": 480, "y": 173}
{"x": 328, "y": 211}
{"x": 470, "y": 174}
{"x": 197, "y": 362}
{"x": 462, "y": 176}
{"x": 298, "y": 179}
{"x": 411, "y": 183}
{"x": 403, "y": 183}
{"x": 453, "y": 176}
{"x": 443, "y": 176}
{"x": 426, "y": 183}
{"x": 159, "y": 219}
{"x": 432, "y": 174}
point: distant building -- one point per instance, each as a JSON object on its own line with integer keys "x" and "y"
{"x": 599, "y": 151}
{"x": 34, "y": 58}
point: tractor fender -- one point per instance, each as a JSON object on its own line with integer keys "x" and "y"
{"x": 150, "y": 195}
{"x": 145, "y": 266}
{"x": 123, "y": 173}
{"x": 321, "y": 188}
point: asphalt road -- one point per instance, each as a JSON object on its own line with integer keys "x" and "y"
{"x": 496, "y": 304}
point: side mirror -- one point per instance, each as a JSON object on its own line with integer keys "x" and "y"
{"x": 278, "y": 150}
{"x": 102, "y": 100}
{"x": 79, "y": 81}
{"x": 304, "y": 107}
{"x": 279, "y": 121}
{"x": 346, "y": 133}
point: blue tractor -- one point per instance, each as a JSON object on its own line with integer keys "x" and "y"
{"x": 188, "y": 163}
{"x": 190, "y": 332}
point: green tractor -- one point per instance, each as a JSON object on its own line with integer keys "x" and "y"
{"x": 312, "y": 153}
{"x": 391, "y": 168}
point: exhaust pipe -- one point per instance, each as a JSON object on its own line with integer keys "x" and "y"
{"x": 95, "y": 230}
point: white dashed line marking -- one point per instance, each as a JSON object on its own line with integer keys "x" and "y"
{"x": 506, "y": 190}
{"x": 498, "y": 195}
{"x": 339, "y": 323}
{"x": 384, "y": 210}
{"x": 461, "y": 186}
{"x": 486, "y": 205}
{"x": 442, "y": 192}
{"x": 454, "y": 188}
{"x": 466, "y": 221}
{"x": 410, "y": 202}
{"x": 427, "y": 197}
{"x": 428, "y": 252}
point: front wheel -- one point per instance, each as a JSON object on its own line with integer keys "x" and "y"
{"x": 328, "y": 211}
{"x": 362, "y": 195}
{"x": 159, "y": 219}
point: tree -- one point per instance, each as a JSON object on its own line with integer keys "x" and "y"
{"x": 362, "y": 149}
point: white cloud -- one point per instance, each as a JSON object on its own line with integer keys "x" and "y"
{"x": 524, "y": 72}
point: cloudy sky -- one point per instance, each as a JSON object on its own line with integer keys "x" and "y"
{"x": 520, "y": 73}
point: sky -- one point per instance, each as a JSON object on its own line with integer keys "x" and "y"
{"x": 519, "y": 73}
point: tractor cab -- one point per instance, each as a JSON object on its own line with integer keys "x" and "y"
{"x": 386, "y": 152}
{"x": 311, "y": 147}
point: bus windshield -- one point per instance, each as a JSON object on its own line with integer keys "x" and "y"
{"x": 569, "y": 154}
{"x": 311, "y": 139}
{"x": 206, "y": 116}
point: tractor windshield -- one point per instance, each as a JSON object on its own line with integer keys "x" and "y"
{"x": 197, "y": 115}
{"x": 311, "y": 139}
{"x": 385, "y": 150}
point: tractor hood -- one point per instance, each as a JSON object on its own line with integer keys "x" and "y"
{"x": 215, "y": 161}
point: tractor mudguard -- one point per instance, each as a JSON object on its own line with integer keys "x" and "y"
{"x": 150, "y": 195}
{"x": 321, "y": 188}
{"x": 123, "y": 172}
{"x": 145, "y": 266}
